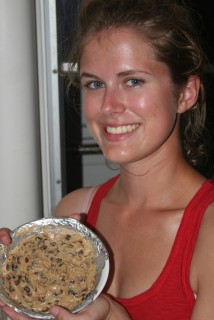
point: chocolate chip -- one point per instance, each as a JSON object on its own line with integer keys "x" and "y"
{"x": 27, "y": 289}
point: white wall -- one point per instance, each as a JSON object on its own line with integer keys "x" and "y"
{"x": 20, "y": 172}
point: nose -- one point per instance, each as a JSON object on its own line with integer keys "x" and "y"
{"x": 113, "y": 101}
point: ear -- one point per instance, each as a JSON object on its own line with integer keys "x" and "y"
{"x": 189, "y": 94}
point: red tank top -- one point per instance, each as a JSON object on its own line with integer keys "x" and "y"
{"x": 170, "y": 297}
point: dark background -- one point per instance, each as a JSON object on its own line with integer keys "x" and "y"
{"x": 71, "y": 107}
{"x": 203, "y": 7}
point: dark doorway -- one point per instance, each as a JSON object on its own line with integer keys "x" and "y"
{"x": 71, "y": 105}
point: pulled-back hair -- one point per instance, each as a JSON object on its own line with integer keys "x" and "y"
{"x": 171, "y": 31}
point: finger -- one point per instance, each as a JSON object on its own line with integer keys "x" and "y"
{"x": 2, "y": 304}
{"x": 76, "y": 216}
{"x": 61, "y": 314}
{"x": 5, "y": 236}
{"x": 12, "y": 314}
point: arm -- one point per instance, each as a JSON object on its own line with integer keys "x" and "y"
{"x": 202, "y": 269}
{"x": 71, "y": 203}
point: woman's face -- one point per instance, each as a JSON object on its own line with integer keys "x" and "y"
{"x": 128, "y": 97}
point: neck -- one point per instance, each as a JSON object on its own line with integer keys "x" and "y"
{"x": 140, "y": 183}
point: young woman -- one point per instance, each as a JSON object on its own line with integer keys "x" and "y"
{"x": 140, "y": 70}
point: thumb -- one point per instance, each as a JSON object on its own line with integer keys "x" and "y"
{"x": 76, "y": 216}
{"x": 61, "y": 313}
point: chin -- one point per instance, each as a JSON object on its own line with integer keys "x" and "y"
{"x": 116, "y": 159}
{"x": 117, "y": 155}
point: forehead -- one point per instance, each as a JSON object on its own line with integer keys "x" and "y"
{"x": 116, "y": 41}
{"x": 107, "y": 38}
{"x": 111, "y": 34}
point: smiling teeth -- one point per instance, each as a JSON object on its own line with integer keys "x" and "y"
{"x": 122, "y": 129}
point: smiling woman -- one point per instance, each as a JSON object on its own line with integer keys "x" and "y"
{"x": 123, "y": 97}
{"x": 140, "y": 67}
{"x": 153, "y": 33}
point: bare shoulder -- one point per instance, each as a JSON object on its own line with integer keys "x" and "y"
{"x": 205, "y": 241}
{"x": 206, "y": 232}
{"x": 72, "y": 202}
{"x": 202, "y": 267}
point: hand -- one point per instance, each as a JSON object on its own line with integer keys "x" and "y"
{"x": 98, "y": 310}
{"x": 81, "y": 217}
{"x": 5, "y": 236}
{"x": 103, "y": 308}
{"x": 76, "y": 216}
{"x": 11, "y": 313}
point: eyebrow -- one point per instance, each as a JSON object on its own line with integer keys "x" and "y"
{"x": 131, "y": 71}
{"x": 88, "y": 75}
{"x": 120, "y": 74}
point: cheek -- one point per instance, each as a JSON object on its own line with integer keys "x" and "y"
{"x": 138, "y": 103}
{"x": 90, "y": 106}
{"x": 88, "y": 109}
{"x": 145, "y": 106}
{"x": 91, "y": 114}
{"x": 158, "y": 114}
{"x": 156, "y": 104}
{"x": 163, "y": 119}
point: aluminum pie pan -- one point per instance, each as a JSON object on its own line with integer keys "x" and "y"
{"x": 35, "y": 227}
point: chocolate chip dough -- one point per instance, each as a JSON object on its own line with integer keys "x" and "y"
{"x": 46, "y": 269}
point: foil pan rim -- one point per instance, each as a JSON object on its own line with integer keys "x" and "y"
{"x": 69, "y": 223}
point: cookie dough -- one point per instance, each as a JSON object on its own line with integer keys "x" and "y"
{"x": 50, "y": 269}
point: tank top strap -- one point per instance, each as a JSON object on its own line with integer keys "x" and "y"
{"x": 196, "y": 210}
{"x": 192, "y": 220}
{"x": 96, "y": 201}
{"x": 86, "y": 200}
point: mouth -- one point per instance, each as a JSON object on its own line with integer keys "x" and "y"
{"x": 122, "y": 129}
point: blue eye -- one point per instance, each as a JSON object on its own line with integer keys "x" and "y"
{"x": 95, "y": 85}
{"x": 133, "y": 82}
